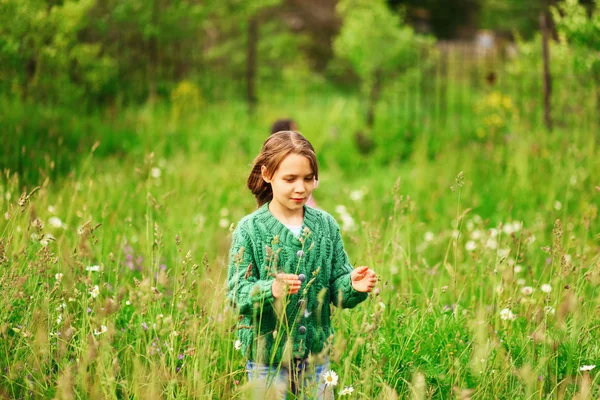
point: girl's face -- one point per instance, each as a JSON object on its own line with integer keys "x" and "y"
{"x": 293, "y": 183}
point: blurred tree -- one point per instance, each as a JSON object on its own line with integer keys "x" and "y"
{"x": 378, "y": 45}
{"x": 580, "y": 28}
{"x": 42, "y": 57}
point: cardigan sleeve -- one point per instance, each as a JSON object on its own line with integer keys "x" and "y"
{"x": 245, "y": 289}
{"x": 340, "y": 287}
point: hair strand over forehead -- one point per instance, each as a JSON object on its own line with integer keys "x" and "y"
{"x": 274, "y": 150}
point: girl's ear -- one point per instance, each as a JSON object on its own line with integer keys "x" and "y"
{"x": 265, "y": 174}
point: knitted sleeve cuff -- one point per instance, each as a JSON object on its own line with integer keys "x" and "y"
{"x": 350, "y": 297}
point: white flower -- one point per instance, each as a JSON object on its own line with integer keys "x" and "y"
{"x": 531, "y": 239}
{"x": 476, "y": 235}
{"x": 238, "y": 344}
{"x": 502, "y": 253}
{"x": 567, "y": 258}
{"x": 330, "y": 378}
{"x": 499, "y": 289}
{"x": 155, "y": 172}
{"x": 557, "y": 205}
{"x": 127, "y": 303}
{"x": 95, "y": 291}
{"x": 508, "y": 228}
{"x": 470, "y": 246}
{"x": 223, "y": 222}
{"x": 55, "y": 222}
{"x": 517, "y": 225}
{"x": 455, "y": 234}
{"x": 493, "y": 232}
{"x": 224, "y": 212}
{"x": 381, "y": 305}
{"x": 51, "y": 209}
{"x": 356, "y": 195}
{"x": 549, "y": 310}
{"x": 527, "y": 290}
{"x": 348, "y": 223}
{"x": 347, "y": 391}
{"x": 491, "y": 244}
{"x": 100, "y": 331}
{"x": 546, "y": 288}
{"x": 93, "y": 268}
{"x": 175, "y": 333}
{"x": 507, "y": 315}
{"x": 521, "y": 282}
{"x": 59, "y": 319}
{"x": 340, "y": 209}
{"x": 518, "y": 269}
{"x": 58, "y": 276}
{"x": 587, "y": 367}
{"x": 429, "y": 236}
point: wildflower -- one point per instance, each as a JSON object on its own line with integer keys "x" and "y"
{"x": 93, "y": 268}
{"x": 521, "y": 282}
{"x": 502, "y": 253}
{"x": 347, "y": 391}
{"x": 58, "y": 277}
{"x": 180, "y": 357}
{"x": 95, "y": 291}
{"x": 59, "y": 320}
{"x": 455, "y": 234}
{"x": 224, "y": 212}
{"x": 549, "y": 310}
{"x": 518, "y": 269}
{"x": 381, "y": 305}
{"x": 238, "y": 344}
{"x": 55, "y": 222}
{"x": 499, "y": 289}
{"x": 299, "y": 253}
{"x": 224, "y": 223}
{"x": 493, "y": 232}
{"x": 491, "y": 244}
{"x": 144, "y": 326}
{"x": 507, "y": 315}
{"x": 508, "y": 228}
{"x": 340, "y": 209}
{"x": 557, "y": 205}
{"x": 587, "y": 367}
{"x": 527, "y": 290}
{"x": 330, "y": 378}
{"x": 357, "y": 195}
{"x": 429, "y": 236}
{"x": 476, "y": 235}
{"x": 546, "y": 288}
{"x": 567, "y": 258}
{"x": 51, "y": 209}
{"x": 348, "y": 223}
{"x": 175, "y": 333}
{"x": 155, "y": 172}
{"x": 127, "y": 303}
{"x": 100, "y": 331}
{"x": 470, "y": 246}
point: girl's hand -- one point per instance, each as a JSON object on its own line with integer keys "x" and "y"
{"x": 363, "y": 279}
{"x": 285, "y": 284}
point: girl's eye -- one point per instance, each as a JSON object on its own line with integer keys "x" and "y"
{"x": 289, "y": 180}
{"x": 309, "y": 179}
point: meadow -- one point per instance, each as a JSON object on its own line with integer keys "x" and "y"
{"x": 484, "y": 232}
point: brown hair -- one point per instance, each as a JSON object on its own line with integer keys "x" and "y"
{"x": 273, "y": 151}
{"x": 283, "y": 124}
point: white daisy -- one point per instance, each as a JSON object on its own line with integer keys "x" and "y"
{"x": 507, "y": 315}
{"x": 58, "y": 276}
{"x": 347, "y": 391}
{"x": 55, "y": 222}
{"x": 587, "y": 367}
{"x": 155, "y": 172}
{"x": 330, "y": 378}
{"x": 93, "y": 268}
{"x": 95, "y": 291}
{"x": 238, "y": 344}
{"x": 100, "y": 331}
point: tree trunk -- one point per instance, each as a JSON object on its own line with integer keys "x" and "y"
{"x": 547, "y": 79}
{"x": 374, "y": 94}
{"x": 251, "y": 64}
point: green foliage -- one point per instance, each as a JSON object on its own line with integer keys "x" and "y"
{"x": 582, "y": 32}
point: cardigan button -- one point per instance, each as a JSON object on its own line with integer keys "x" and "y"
{"x": 302, "y": 277}
{"x": 302, "y": 329}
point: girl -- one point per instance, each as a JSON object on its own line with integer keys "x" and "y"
{"x": 287, "y": 263}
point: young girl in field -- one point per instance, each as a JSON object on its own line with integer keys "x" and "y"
{"x": 287, "y": 264}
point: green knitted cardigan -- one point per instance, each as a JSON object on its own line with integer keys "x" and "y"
{"x": 272, "y": 330}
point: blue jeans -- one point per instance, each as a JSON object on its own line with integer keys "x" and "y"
{"x": 304, "y": 380}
